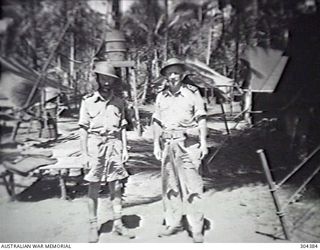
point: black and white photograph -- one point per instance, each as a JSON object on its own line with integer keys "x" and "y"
{"x": 159, "y": 121}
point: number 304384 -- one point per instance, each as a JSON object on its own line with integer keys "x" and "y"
{"x": 311, "y": 245}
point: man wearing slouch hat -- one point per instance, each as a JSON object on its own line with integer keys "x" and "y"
{"x": 104, "y": 146}
{"x": 180, "y": 131}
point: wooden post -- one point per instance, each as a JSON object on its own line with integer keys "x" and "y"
{"x": 12, "y": 186}
{"x": 15, "y": 130}
{"x": 224, "y": 118}
{"x": 273, "y": 189}
{"x": 206, "y": 95}
{"x": 45, "y": 129}
{"x": 248, "y": 105}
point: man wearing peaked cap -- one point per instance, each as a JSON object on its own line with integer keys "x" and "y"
{"x": 104, "y": 146}
{"x": 180, "y": 143}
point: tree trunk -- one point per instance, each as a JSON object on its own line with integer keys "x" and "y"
{"x": 116, "y": 14}
{"x": 155, "y": 64}
{"x": 72, "y": 56}
{"x": 33, "y": 6}
{"x": 255, "y": 15}
{"x": 4, "y": 42}
{"x": 166, "y": 37}
{"x": 145, "y": 90}
{"x": 209, "y": 46}
{"x": 150, "y": 44}
{"x": 200, "y": 13}
{"x": 236, "y": 60}
{"x": 135, "y": 101}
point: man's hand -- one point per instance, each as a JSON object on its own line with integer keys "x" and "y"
{"x": 85, "y": 160}
{"x": 125, "y": 155}
{"x": 157, "y": 152}
{"x": 204, "y": 150}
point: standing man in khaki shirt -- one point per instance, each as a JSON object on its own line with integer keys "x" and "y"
{"x": 180, "y": 132}
{"x": 104, "y": 146}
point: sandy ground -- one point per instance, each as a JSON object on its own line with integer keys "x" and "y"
{"x": 238, "y": 206}
{"x": 231, "y": 216}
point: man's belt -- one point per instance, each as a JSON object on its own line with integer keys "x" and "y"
{"x": 113, "y": 135}
{"x": 177, "y": 134}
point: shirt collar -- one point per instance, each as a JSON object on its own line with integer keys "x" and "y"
{"x": 167, "y": 92}
{"x": 98, "y": 97}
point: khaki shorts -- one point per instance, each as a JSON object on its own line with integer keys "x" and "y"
{"x": 106, "y": 164}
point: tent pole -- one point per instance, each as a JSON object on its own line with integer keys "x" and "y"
{"x": 43, "y": 71}
{"x": 224, "y": 118}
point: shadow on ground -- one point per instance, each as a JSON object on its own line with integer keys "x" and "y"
{"x": 129, "y": 221}
{"x": 236, "y": 162}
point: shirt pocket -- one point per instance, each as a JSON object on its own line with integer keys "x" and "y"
{"x": 164, "y": 107}
{"x": 113, "y": 116}
{"x": 94, "y": 112}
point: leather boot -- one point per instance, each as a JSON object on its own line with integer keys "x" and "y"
{"x": 170, "y": 231}
{"x": 197, "y": 237}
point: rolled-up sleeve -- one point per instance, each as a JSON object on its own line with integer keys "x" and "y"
{"x": 156, "y": 114}
{"x": 199, "y": 109}
{"x": 84, "y": 118}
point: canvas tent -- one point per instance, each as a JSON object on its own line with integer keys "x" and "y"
{"x": 17, "y": 81}
{"x": 30, "y": 95}
{"x": 265, "y": 68}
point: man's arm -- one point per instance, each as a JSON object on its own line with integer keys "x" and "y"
{"x": 123, "y": 127}
{"x": 83, "y": 141}
{"x": 84, "y": 146}
{"x": 157, "y": 130}
{"x": 84, "y": 123}
{"x": 203, "y": 136}
{"x": 156, "y": 143}
{"x": 125, "y": 154}
{"x": 200, "y": 115}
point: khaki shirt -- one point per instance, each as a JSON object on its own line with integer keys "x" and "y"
{"x": 181, "y": 110}
{"x": 100, "y": 116}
